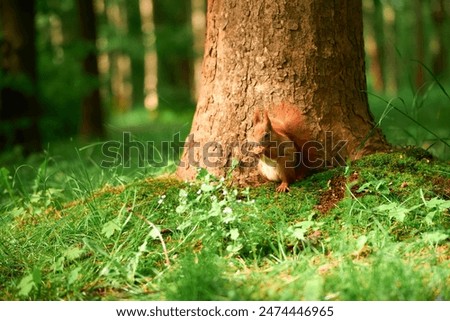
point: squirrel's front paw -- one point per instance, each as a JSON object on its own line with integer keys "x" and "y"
{"x": 283, "y": 188}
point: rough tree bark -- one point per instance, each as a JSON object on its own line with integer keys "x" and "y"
{"x": 91, "y": 110}
{"x": 309, "y": 53}
{"x": 19, "y": 109}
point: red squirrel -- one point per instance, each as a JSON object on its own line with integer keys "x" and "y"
{"x": 279, "y": 140}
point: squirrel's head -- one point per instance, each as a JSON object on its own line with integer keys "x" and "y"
{"x": 262, "y": 131}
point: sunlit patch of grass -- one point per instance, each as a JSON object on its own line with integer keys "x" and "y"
{"x": 107, "y": 237}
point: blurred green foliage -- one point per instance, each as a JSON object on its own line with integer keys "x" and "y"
{"x": 62, "y": 81}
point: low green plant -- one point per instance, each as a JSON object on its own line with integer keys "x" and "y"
{"x": 216, "y": 208}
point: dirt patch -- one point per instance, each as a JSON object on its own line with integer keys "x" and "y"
{"x": 336, "y": 192}
{"x": 442, "y": 187}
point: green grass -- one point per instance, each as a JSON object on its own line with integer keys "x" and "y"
{"x": 73, "y": 238}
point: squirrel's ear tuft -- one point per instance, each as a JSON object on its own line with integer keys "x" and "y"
{"x": 267, "y": 119}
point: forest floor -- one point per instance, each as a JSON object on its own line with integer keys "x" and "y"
{"x": 377, "y": 229}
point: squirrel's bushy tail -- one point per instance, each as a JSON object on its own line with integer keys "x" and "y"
{"x": 288, "y": 120}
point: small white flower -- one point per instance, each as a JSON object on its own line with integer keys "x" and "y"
{"x": 199, "y": 191}
{"x": 224, "y": 192}
{"x": 227, "y": 210}
{"x": 161, "y": 199}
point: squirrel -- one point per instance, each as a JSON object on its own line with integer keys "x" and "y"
{"x": 280, "y": 140}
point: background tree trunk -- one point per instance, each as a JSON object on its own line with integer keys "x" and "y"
{"x": 391, "y": 60}
{"x": 420, "y": 43}
{"x": 198, "y": 30}
{"x": 174, "y": 48}
{"x": 375, "y": 43}
{"x": 259, "y": 53}
{"x": 19, "y": 110}
{"x": 150, "y": 59}
{"x": 439, "y": 16}
{"x": 119, "y": 58}
{"x": 91, "y": 112}
{"x": 138, "y": 53}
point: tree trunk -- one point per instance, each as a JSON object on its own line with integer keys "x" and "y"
{"x": 439, "y": 17}
{"x": 19, "y": 110}
{"x": 420, "y": 43}
{"x": 91, "y": 110}
{"x": 150, "y": 59}
{"x": 198, "y": 30}
{"x": 391, "y": 56}
{"x": 258, "y": 54}
{"x": 119, "y": 58}
{"x": 174, "y": 48}
{"x": 138, "y": 53}
{"x": 375, "y": 43}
